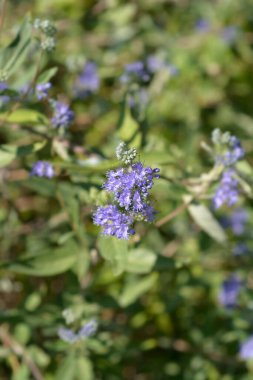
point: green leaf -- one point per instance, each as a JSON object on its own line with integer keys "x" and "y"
{"x": 14, "y": 55}
{"x": 24, "y": 116}
{"x": 42, "y": 186}
{"x": 47, "y": 75}
{"x": 115, "y": 251}
{"x": 140, "y": 260}
{"x": 84, "y": 369}
{"x": 8, "y": 153}
{"x": 205, "y": 219}
{"x": 67, "y": 368}
{"x": 48, "y": 263}
{"x": 128, "y": 128}
{"x": 135, "y": 289}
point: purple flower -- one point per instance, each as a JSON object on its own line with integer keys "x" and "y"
{"x": 227, "y": 191}
{"x": 230, "y": 291}
{"x": 154, "y": 64}
{"x": 63, "y": 116}
{"x": 114, "y": 222}
{"x": 88, "y": 329}
{"x": 135, "y": 70}
{"x": 229, "y": 34}
{"x": 173, "y": 70}
{"x": 246, "y": 349}
{"x": 202, "y": 25}
{"x": 234, "y": 153}
{"x": 240, "y": 249}
{"x": 42, "y": 169}
{"x": 88, "y": 81}
{"x": 42, "y": 90}
{"x": 67, "y": 335}
{"x": 237, "y": 221}
{"x": 138, "y": 98}
{"x": 130, "y": 186}
{"x": 3, "y": 86}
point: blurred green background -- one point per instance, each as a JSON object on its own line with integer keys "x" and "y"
{"x": 158, "y": 311}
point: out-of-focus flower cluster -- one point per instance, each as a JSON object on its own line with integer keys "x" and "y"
{"x": 228, "y": 151}
{"x": 85, "y": 331}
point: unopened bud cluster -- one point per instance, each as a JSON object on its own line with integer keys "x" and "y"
{"x": 3, "y": 75}
{"x": 48, "y": 30}
{"x": 125, "y": 155}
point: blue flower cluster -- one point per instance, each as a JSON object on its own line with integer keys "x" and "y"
{"x": 228, "y": 151}
{"x": 246, "y": 349}
{"x": 228, "y": 148}
{"x": 230, "y": 291}
{"x": 85, "y": 332}
{"x": 63, "y": 115}
{"x": 227, "y": 191}
{"x": 88, "y": 81}
{"x": 42, "y": 90}
{"x": 130, "y": 188}
{"x": 143, "y": 70}
{"x": 42, "y": 169}
{"x": 236, "y": 221}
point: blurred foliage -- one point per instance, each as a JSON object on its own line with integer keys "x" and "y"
{"x": 155, "y": 297}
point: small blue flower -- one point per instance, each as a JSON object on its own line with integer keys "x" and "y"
{"x": 227, "y": 191}
{"x": 240, "y": 249}
{"x": 42, "y": 169}
{"x": 237, "y": 221}
{"x": 63, "y": 115}
{"x": 88, "y": 329}
{"x": 246, "y": 349}
{"x": 202, "y": 25}
{"x": 3, "y": 86}
{"x": 85, "y": 332}
{"x": 42, "y": 90}
{"x": 135, "y": 70}
{"x": 88, "y": 81}
{"x": 113, "y": 222}
{"x": 67, "y": 335}
{"x": 154, "y": 63}
{"x": 229, "y": 34}
{"x": 230, "y": 291}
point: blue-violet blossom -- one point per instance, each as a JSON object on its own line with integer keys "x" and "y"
{"x": 42, "y": 90}
{"x": 88, "y": 81}
{"x": 227, "y": 191}
{"x": 63, "y": 115}
{"x": 42, "y": 169}
{"x": 85, "y": 332}
{"x": 113, "y": 221}
{"x": 230, "y": 291}
{"x": 246, "y": 349}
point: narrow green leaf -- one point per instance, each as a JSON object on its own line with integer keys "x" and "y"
{"x": 24, "y": 116}
{"x": 8, "y": 153}
{"x": 205, "y": 219}
{"x": 14, "y": 55}
{"x": 48, "y": 263}
{"x": 128, "y": 128}
{"x": 47, "y": 75}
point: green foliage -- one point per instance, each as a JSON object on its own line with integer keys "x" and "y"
{"x": 155, "y": 296}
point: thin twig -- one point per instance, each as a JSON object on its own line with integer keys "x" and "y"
{"x": 19, "y": 350}
{"x": 172, "y": 215}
